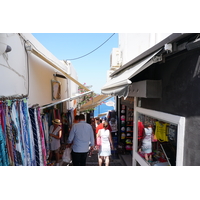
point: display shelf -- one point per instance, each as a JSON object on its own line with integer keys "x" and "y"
{"x": 129, "y": 128}
{"x": 126, "y": 122}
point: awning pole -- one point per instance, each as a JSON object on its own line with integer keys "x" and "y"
{"x": 68, "y": 99}
{"x": 38, "y": 54}
{"x": 93, "y": 104}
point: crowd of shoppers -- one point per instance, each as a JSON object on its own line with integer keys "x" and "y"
{"x": 82, "y": 140}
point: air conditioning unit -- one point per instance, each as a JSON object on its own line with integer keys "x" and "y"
{"x": 115, "y": 59}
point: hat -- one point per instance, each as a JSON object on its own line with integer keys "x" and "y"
{"x": 56, "y": 121}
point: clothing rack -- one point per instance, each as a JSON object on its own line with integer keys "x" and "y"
{"x": 13, "y": 97}
{"x": 68, "y": 99}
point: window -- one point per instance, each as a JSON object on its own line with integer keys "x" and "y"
{"x": 170, "y": 147}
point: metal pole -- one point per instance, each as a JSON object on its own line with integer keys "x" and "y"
{"x": 68, "y": 99}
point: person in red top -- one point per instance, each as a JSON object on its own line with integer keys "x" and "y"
{"x": 140, "y": 133}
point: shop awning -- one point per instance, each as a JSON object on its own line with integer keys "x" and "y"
{"x": 31, "y": 48}
{"x": 94, "y": 102}
{"x": 119, "y": 84}
{"x": 64, "y": 100}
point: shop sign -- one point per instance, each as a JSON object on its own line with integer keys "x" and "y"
{"x": 110, "y": 103}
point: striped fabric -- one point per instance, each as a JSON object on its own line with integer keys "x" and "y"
{"x": 35, "y": 137}
{"x": 42, "y": 137}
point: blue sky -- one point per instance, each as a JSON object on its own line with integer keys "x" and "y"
{"x": 91, "y": 69}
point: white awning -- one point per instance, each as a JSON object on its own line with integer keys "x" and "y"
{"x": 94, "y": 102}
{"x": 119, "y": 84}
{"x": 64, "y": 100}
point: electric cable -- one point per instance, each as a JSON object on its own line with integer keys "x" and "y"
{"x": 92, "y": 50}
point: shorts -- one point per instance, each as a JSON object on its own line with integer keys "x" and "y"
{"x": 56, "y": 151}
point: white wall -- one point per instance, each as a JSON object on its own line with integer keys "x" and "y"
{"x": 13, "y": 67}
{"x": 133, "y": 44}
{"x": 14, "y": 70}
{"x": 73, "y": 87}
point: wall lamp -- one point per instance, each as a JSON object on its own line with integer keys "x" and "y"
{"x": 60, "y": 76}
{"x": 4, "y": 48}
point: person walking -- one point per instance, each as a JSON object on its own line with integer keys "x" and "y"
{"x": 76, "y": 120}
{"x": 105, "y": 146}
{"x": 100, "y": 126}
{"x": 94, "y": 130}
{"x": 55, "y": 135}
{"x": 80, "y": 138}
{"x": 97, "y": 121}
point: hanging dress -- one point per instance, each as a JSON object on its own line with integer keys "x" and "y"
{"x": 146, "y": 142}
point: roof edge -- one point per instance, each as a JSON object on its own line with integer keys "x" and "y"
{"x": 171, "y": 38}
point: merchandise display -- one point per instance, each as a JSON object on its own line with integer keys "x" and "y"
{"x": 24, "y": 132}
{"x": 163, "y": 140}
{"x": 126, "y": 127}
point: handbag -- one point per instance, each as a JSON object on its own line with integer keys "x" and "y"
{"x": 67, "y": 155}
{"x": 99, "y": 139}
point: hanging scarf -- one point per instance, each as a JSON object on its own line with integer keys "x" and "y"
{"x": 35, "y": 137}
{"x": 9, "y": 137}
{"x": 17, "y": 132}
{"x": 46, "y": 133}
{"x": 42, "y": 137}
{"x": 25, "y": 130}
{"x": 4, "y": 161}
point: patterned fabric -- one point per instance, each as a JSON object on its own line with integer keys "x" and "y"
{"x": 42, "y": 137}
{"x": 25, "y": 131}
{"x": 33, "y": 158}
{"x": 46, "y": 133}
{"x": 38, "y": 137}
{"x": 16, "y": 119}
{"x": 3, "y": 153}
{"x": 9, "y": 137}
{"x": 35, "y": 137}
{"x": 4, "y": 160}
{"x": 24, "y": 135}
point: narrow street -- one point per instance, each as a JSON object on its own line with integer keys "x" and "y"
{"x": 115, "y": 160}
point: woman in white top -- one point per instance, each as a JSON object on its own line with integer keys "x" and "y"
{"x": 106, "y": 144}
{"x": 55, "y": 134}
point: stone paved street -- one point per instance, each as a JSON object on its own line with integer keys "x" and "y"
{"x": 114, "y": 160}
